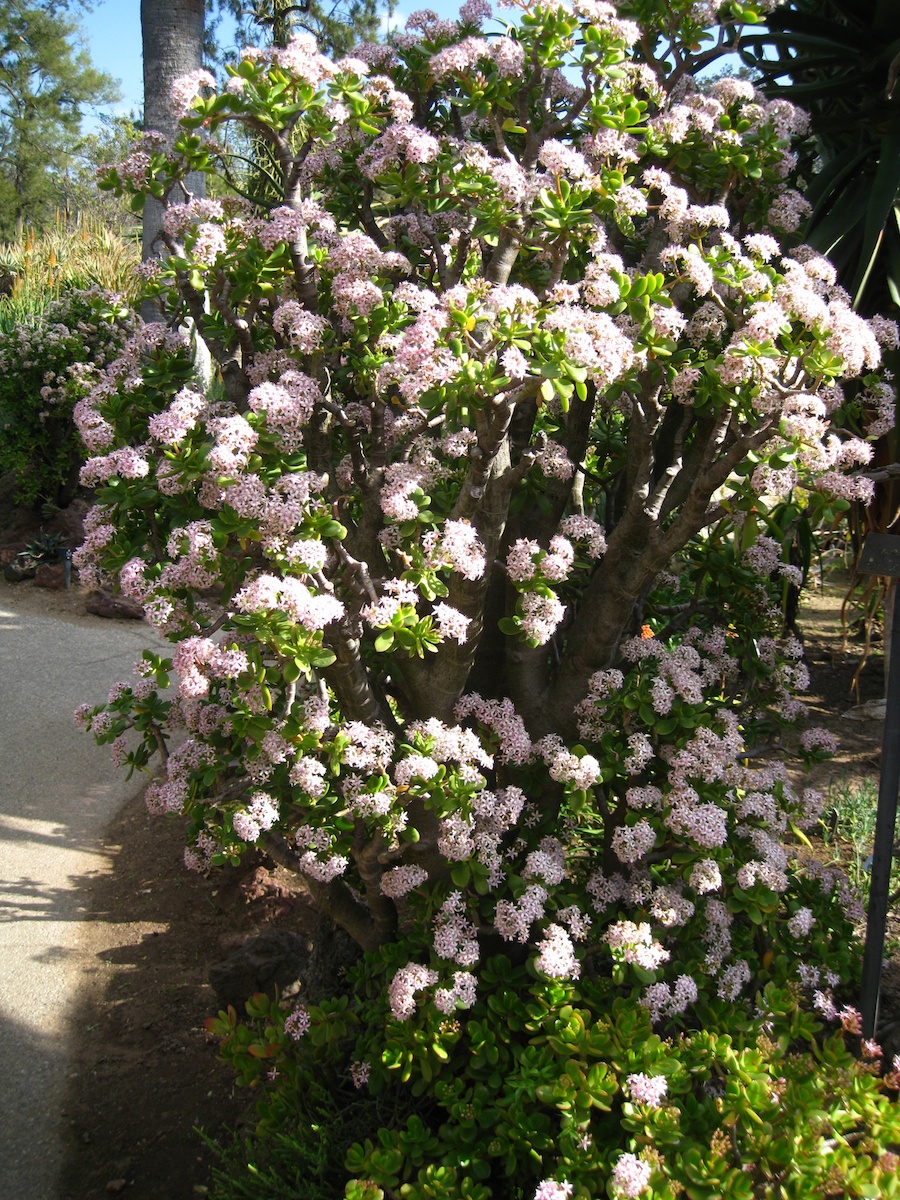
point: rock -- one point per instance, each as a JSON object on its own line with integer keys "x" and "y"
{"x": 15, "y": 572}
{"x": 259, "y": 887}
{"x": 69, "y": 522}
{"x": 104, "y": 604}
{"x": 872, "y": 710}
{"x": 50, "y": 575}
{"x": 10, "y": 552}
{"x": 277, "y": 959}
{"x": 15, "y": 538}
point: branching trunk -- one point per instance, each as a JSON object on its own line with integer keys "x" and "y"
{"x": 435, "y": 684}
{"x": 633, "y": 558}
{"x": 334, "y": 899}
{"x": 639, "y": 547}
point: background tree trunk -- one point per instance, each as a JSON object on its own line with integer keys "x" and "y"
{"x": 172, "y": 40}
{"x": 172, "y": 43}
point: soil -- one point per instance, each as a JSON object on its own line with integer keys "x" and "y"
{"x": 144, "y": 1072}
{"x": 145, "y": 1075}
{"x": 844, "y": 692}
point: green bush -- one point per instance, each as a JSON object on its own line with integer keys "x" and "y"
{"x": 299, "y": 1150}
{"x": 625, "y": 1072}
{"x": 48, "y": 362}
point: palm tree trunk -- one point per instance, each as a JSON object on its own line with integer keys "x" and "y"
{"x": 172, "y": 38}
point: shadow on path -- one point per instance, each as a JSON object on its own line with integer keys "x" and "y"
{"x": 57, "y": 793}
{"x": 33, "y": 1138}
{"x": 143, "y": 1071}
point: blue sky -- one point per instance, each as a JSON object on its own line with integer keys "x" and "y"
{"x": 112, "y": 34}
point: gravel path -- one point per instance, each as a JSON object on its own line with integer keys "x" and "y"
{"x": 58, "y": 791}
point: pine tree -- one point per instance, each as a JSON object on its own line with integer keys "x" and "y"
{"x": 46, "y": 81}
{"x": 337, "y": 25}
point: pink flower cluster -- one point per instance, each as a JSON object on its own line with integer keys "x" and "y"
{"x": 406, "y": 984}
{"x": 287, "y": 405}
{"x": 197, "y": 658}
{"x": 258, "y": 817}
{"x": 398, "y": 881}
{"x": 268, "y": 593}
{"x": 551, "y": 1189}
{"x": 187, "y": 88}
{"x": 632, "y": 842}
{"x": 461, "y": 993}
{"x": 661, "y": 1000}
{"x": 631, "y": 943}
{"x": 556, "y": 954}
{"x": 513, "y": 921}
{"x": 647, "y": 1089}
{"x": 502, "y": 55}
{"x": 296, "y": 1023}
{"x": 631, "y": 1175}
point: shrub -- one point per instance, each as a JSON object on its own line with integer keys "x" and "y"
{"x": 848, "y": 825}
{"x": 448, "y": 641}
{"x": 48, "y": 362}
{"x": 299, "y": 1154}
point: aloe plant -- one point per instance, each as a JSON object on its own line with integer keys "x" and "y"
{"x": 66, "y": 256}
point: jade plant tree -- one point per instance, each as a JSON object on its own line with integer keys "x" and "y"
{"x": 452, "y": 637}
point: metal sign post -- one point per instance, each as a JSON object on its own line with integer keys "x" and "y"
{"x": 881, "y": 556}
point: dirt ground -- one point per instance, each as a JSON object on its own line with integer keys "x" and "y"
{"x": 832, "y": 699}
{"x": 144, "y": 1072}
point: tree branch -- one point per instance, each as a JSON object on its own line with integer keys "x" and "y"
{"x": 334, "y": 899}
{"x": 349, "y": 679}
{"x": 367, "y": 851}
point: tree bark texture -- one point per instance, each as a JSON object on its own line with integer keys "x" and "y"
{"x": 172, "y": 41}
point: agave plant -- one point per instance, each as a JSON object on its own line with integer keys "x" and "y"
{"x": 45, "y": 548}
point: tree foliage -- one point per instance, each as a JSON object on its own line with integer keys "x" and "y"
{"x": 253, "y": 169}
{"x": 110, "y": 141}
{"x": 337, "y": 27}
{"x": 46, "y": 82}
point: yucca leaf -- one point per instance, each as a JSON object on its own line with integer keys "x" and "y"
{"x": 882, "y": 197}
{"x": 892, "y": 272}
{"x": 831, "y": 178}
{"x": 844, "y": 214}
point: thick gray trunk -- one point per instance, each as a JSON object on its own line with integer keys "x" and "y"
{"x": 172, "y": 39}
